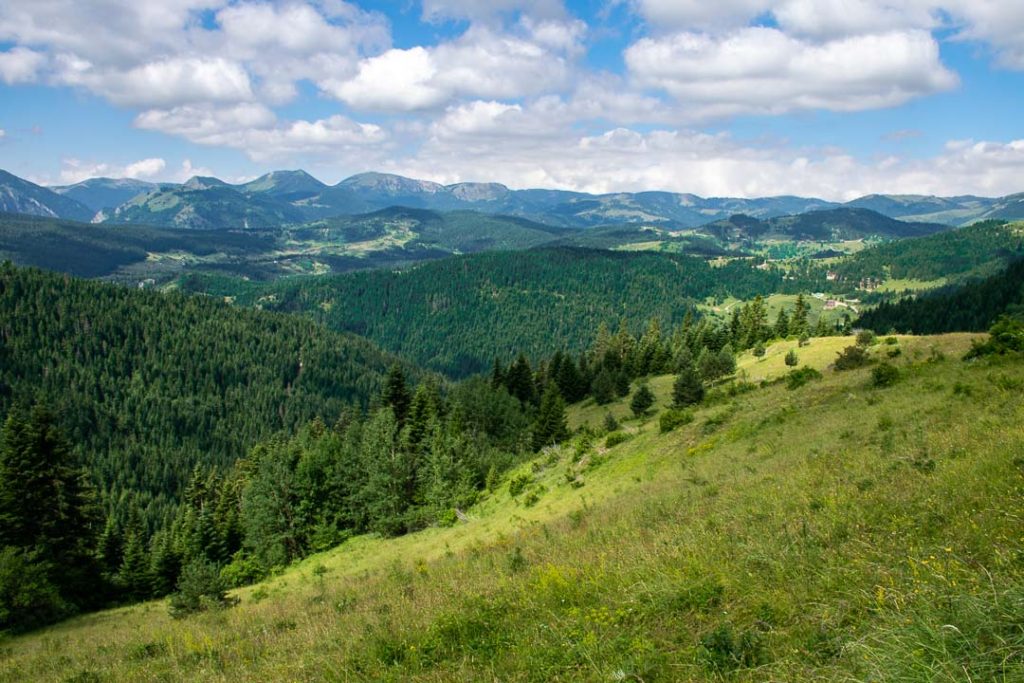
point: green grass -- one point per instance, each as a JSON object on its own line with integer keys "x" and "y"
{"x": 832, "y": 532}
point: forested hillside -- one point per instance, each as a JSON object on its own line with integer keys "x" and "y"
{"x": 945, "y": 255}
{"x": 457, "y": 315}
{"x": 149, "y": 385}
{"x": 973, "y": 306}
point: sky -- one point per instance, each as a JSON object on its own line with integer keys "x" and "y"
{"x": 824, "y": 98}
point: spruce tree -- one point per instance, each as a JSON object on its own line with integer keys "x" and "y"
{"x": 47, "y": 504}
{"x": 396, "y": 393}
{"x": 550, "y": 427}
{"x": 688, "y": 388}
{"x": 642, "y": 401}
{"x": 603, "y": 387}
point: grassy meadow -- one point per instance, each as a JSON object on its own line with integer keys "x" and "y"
{"x": 836, "y": 531}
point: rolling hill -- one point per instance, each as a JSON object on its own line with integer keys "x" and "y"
{"x": 149, "y": 384}
{"x": 836, "y": 531}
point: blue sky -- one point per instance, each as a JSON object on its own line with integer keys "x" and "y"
{"x": 830, "y": 98}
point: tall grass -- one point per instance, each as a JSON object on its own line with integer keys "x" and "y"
{"x": 836, "y": 531}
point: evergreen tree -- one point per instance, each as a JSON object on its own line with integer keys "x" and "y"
{"x": 569, "y": 381}
{"x": 134, "y": 575}
{"x": 782, "y": 325}
{"x": 550, "y": 427}
{"x": 798, "y": 324}
{"x": 791, "y": 359}
{"x": 688, "y": 388}
{"x": 519, "y": 381}
{"x": 642, "y": 401}
{"x": 46, "y": 503}
{"x": 396, "y": 393}
{"x": 603, "y": 387}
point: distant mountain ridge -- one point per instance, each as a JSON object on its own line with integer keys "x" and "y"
{"x": 283, "y": 198}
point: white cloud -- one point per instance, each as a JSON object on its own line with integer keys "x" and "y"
{"x": 691, "y": 14}
{"x": 165, "y": 82}
{"x": 763, "y": 70}
{"x": 484, "y": 10}
{"x": 623, "y": 159}
{"x": 20, "y": 65}
{"x": 75, "y": 171}
{"x": 480, "y": 63}
{"x": 1000, "y": 23}
{"x": 833, "y": 18}
{"x": 3, "y": 133}
{"x": 255, "y": 130}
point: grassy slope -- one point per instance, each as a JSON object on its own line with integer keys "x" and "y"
{"x": 835, "y": 532}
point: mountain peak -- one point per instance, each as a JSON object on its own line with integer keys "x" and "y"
{"x": 203, "y": 183}
{"x": 390, "y": 184}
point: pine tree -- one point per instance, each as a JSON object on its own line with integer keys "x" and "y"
{"x": 396, "y": 393}
{"x": 133, "y": 575}
{"x": 782, "y": 325}
{"x": 603, "y": 388}
{"x": 798, "y": 324}
{"x": 46, "y": 503}
{"x": 688, "y": 388}
{"x": 519, "y": 381}
{"x": 791, "y": 358}
{"x": 550, "y": 427}
{"x": 642, "y": 401}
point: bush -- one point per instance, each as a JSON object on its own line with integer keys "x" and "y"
{"x": 200, "y": 588}
{"x": 791, "y": 359}
{"x": 851, "y": 358}
{"x": 797, "y": 378}
{"x": 518, "y": 484}
{"x": 884, "y": 375}
{"x": 865, "y": 338}
{"x": 673, "y": 418}
{"x": 1005, "y": 336}
{"x": 615, "y": 438}
{"x": 610, "y": 423}
{"x": 243, "y": 570}
{"x": 759, "y": 351}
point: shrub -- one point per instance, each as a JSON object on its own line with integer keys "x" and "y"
{"x": 1005, "y": 336}
{"x": 244, "y": 569}
{"x": 797, "y": 378}
{"x": 723, "y": 650}
{"x": 884, "y": 375}
{"x": 851, "y": 358}
{"x": 759, "y": 351}
{"x": 610, "y": 423}
{"x": 791, "y": 359}
{"x": 200, "y": 588}
{"x": 518, "y": 484}
{"x": 673, "y": 418}
{"x": 865, "y": 338}
{"x": 615, "y": 438}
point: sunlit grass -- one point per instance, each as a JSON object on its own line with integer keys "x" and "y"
{"x": 832, "y": 532}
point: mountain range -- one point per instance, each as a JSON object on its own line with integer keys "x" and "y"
{"x": 288, "y": 198}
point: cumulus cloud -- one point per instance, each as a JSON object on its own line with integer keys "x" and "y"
{"x": 623, "y": 159}
{"x": 20, "y": 65}
{"x": 691, "y": 14}
{"x": 482, "y": 62}
{"x": 256, "y": 130}
{"x": 165, "y": 82}
{"x": 75, "y": 171}
{"x": 199, "y": 50}
{"x": 763, "y": 70}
